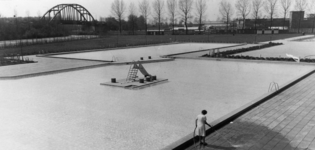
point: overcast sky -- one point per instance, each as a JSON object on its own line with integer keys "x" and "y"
{"x": 98, "y": 8}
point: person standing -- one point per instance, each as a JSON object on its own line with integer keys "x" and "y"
{"x": 200, "y": 129}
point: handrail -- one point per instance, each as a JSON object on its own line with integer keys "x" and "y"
{"x": 273, "y": 86}
{"x": 131, "y": 66}
{"x": 115, "y": 59}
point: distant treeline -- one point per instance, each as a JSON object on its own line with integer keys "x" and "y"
{"x": 132, "y": 24}
{"x": 30, "y": 27}
{"x": 34, "y": 27}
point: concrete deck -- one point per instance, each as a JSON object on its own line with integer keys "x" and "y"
{"x": 203, "y": 52}
{"x": 285, "y": 122}
{"x": 51, "y": 65}
{"x": 44, "y": 66}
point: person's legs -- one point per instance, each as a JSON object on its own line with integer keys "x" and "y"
{"x": 204, "y": 140}
{"x": 200, "y": 142}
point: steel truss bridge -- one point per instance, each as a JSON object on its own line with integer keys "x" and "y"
{"x": 69, "y": 14}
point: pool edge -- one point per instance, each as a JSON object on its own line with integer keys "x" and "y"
{"x": 187, "y": 140}
{"x": 50, "y": 72}
{"x": 247, "y": 60}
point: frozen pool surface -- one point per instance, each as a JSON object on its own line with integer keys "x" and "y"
{"x": 73, "y": 111}
{"x": 131, "y": 54}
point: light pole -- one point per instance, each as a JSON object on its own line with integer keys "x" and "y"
{"x": 146, "y": 40}
{"x": 19, "y": 34}
{"x": 117, "y": 39}
{"x": 31, "y": 25}
{"x": 208, "y": 30}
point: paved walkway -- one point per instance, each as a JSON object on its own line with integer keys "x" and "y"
{"x": 285, "y": 122}
{"x": 50, "y": 65}
{"x": 44, "y": 65}
{"x": 198, "y": 54}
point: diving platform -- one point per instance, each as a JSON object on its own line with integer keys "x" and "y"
{"x": 133, "y": 81}
{"x": 136, "y": 84}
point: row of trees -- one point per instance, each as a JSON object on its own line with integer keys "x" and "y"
{"x": 185, "y": 10}
{"x": 175, "y": 8}
{"x": 178, "y": 11}
{"x": 271, "y": 9}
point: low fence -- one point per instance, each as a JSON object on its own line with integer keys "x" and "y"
{"x": 13, "y": 59}
{"x": 25, "y": 42}
{"x": 302, "y": 30}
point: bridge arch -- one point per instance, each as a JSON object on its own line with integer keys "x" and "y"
{"x": 68, "y": 13}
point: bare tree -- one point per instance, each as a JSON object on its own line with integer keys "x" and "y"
{"x": 118, "y": 11}
{"x": 39, "y": 14}
{"x": 271, "y": 8}
{"x": 311, "y": 10}
{"x": 16, "y": 24}
{"x": 172, "y": 8}
{"x": 0, "y": 24}
{"x": 286, "y": 4}
{"x": 158, "y": 6}
{"x": 226, "y": 11}
{"x": 132, "y": 15}
{"x": 15, "y": 13}
{"x": 243, "y": 8}
{"x": 201, "y": 8}
{"x": 185, "y": 7}
{"x": 27, "y": 13}
{"x": 257, "y": 5}
{"x": 300, "y": 5}
{"x": 145, "y": 10}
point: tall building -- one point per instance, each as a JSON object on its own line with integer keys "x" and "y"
{"x": 296, "y": 17}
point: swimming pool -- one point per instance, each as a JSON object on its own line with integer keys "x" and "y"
{"x": 305, "y": 50}
{"x": 73, "y": 111}
{"x": 134, "y": 54}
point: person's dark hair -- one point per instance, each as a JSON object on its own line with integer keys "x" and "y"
{"x": 204, "y": 112}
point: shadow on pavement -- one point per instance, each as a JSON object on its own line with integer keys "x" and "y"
{"x": 220, "y": 147}
{"x": 245, "y": 135}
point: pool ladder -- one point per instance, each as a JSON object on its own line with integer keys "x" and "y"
{"x": 132, "y": 74}
{"x": 273, "y": 86}
{"x": 115, "y": 59}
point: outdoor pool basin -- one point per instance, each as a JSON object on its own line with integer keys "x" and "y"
{"x": 73, "y": 111}
{"x": 134, "y": 54}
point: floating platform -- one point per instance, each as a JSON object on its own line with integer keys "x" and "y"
{"x": 134, "y": 84}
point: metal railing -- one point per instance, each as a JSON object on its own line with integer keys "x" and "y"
{"x": 273, "y": 86}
